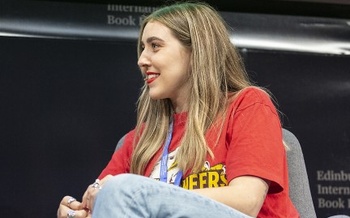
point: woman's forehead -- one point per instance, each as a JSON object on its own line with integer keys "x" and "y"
{"x": 155, "y": 30}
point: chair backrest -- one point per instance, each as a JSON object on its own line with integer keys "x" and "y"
{"x": 299, "y": 187}
{"x": 120, "y": 142}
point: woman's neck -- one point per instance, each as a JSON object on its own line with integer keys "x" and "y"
{"x": 180, "y": 105}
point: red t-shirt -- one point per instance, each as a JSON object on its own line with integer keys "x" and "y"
{"x": 250, "y": 143}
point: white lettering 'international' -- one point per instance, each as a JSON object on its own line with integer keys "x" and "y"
{"x": 130, "y": 8}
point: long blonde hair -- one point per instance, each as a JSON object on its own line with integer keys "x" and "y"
{"x": 216, "y": 71}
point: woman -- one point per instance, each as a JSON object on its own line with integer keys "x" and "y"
{"x": 201, "y": 125}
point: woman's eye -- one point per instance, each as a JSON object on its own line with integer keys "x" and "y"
{"x": 154, "y": 45}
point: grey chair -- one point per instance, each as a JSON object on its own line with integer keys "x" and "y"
{"x": 120, "y": 143}
{"x": 299, "y": 188}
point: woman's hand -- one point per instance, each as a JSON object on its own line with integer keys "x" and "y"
{"x": 91, "y": 192}
{"x": 71, "y": 208}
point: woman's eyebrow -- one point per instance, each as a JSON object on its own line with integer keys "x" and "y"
{"x": 152, "y": 38}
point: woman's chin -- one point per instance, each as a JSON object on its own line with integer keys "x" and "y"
{"x": 155, "y": 96}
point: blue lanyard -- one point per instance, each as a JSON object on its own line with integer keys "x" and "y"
{"x": 164, "y": 159}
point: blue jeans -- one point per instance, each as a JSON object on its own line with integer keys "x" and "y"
{"x": 134, "y": 196}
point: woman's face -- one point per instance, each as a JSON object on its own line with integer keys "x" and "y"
{"x": 165, "y": 63}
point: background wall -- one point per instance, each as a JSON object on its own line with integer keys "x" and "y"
{"x": 68, "y": 96}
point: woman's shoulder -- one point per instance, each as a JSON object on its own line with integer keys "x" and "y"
{"x": 251, "y": 101}
{"x": 251, "y": 95}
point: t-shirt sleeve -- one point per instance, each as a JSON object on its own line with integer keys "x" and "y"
{"x": 255, "y": 144}
{"x": 120, "y": 161}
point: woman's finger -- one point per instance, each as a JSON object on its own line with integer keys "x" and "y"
{"x": 64, "y": 212}
{"x": 71, "y": 203}
{"x": 84, "y": 198}
{"x": 92, "y": 192}
{"x": 89, "y": 196}
{"x": 77, "y": 214}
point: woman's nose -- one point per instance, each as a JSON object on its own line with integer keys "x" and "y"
{"x": 143, "y": 60}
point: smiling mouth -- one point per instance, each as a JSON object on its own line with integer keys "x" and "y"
{"x": 150, "y": 77}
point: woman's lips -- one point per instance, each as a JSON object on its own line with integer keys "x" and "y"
{"x": 151, "y": 77}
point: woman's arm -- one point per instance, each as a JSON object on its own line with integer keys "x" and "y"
{"x": 244, "y": 193}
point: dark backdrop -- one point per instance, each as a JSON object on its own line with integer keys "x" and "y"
{"x": 65, "y": 104}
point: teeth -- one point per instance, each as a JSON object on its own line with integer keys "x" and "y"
{"x": 151, "y": 76}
